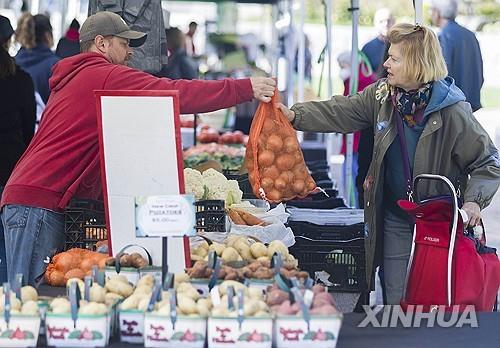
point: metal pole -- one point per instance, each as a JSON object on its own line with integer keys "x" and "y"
{"x": 302, "y": 54}
{"x": 353, "y": 86}
{"x": 290, "y": 47}
{"x": 330, "y": 137}
{"x": 419, "y": 12}
{"x": 274, "y": 51}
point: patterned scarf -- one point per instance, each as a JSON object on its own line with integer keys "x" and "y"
{"x": 408, "y": 103}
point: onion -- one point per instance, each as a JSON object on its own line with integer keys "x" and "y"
{"x": 56, "y": 278}
{"x": 88, "y": 263}
{"x": 285, "y": 162}
{"x": 67, "y": 261}
{"x": 266, "y": 158}
{"x": 274, "y": 195}
{"x": 287, "y": 176}
{"x": 74, "y": 273}
{"x": 271, "y": 172}
{"x": 268, "y": 126}
{"x": 290, "y": 144}
{"x": 298, "y": 186}
{"x": 280, "y": 184}
{"x": 267, "y": 183}
{"x": 274, "y": 143}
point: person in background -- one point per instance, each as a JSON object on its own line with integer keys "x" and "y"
{"x": 17, "y": 118}
{"x": 307, "y": 60}
{"x": 34, "y": 34}
{"x": 374, "y": 49}
{"x": 461, "y": 51}
{"x": 62, "y": 161}
{"x": 189, "y": 39}
{"x": 365, "y": 78}
{"x": 430, "y": 110}
{"x": 69, "y": 45}
{"x": 180, "y": 65}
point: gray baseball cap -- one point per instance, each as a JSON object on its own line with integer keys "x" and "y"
{"x": 110, "y": 24}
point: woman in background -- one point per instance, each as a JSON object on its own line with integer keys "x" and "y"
{"x": 34, "y": 34}
{"x": 17, "y": 118}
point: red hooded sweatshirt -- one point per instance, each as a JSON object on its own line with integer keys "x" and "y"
{"x": 62, "y": 160}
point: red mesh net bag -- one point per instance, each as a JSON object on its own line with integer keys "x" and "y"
{"x": 274, "y": 160}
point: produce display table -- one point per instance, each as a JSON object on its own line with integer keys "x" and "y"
{"x": 487, "y": 334}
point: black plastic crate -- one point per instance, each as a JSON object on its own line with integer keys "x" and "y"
{"x": 84, "y": 224}
{"x": 337, "y": 250}
{"x": 210, "y": 216}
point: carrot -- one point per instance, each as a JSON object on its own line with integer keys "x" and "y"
{"x": 235, "y": 217}
{"x": 250, "y": 219}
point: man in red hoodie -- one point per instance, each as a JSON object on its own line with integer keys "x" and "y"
{"x": 62, "y": 161}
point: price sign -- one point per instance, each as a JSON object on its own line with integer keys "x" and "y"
{"x": 165, "y": 216}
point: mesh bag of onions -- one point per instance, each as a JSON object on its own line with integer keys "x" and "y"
{"x": 274, "y": 160}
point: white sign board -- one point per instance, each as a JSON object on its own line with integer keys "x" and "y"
{"x": 165, "y": 216}
{"x": 140, "y": 148}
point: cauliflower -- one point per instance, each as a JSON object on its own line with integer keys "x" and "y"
{"x": 194, "y": 183}
{"x": 216, "y": 183}
{"x": 218, "y": 187}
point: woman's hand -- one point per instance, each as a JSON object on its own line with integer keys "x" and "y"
{"x": 473, "y": 212}
{"x": 290, "y": 115}
{"x": 263, "y": 88}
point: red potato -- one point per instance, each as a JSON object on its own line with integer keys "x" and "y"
{"x": 286, "y": 309}
{"x": 324, "y": 310}
{"x": 276, "y": 297}
{"x": 322, "y": 299}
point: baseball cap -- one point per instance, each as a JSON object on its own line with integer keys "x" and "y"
{"x": 6, "y": 30}
{"x": 109, "y": 23}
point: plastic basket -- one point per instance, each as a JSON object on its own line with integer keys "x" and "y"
{"x": 337, "y": 250}
{"x": 210, "y": 216}
{"x": 84, "y": 224}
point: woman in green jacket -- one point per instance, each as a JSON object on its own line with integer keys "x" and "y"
{"x": 442, "y": 137}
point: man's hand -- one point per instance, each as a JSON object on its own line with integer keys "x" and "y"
{"x": 290, "y": 115}
{"x": 473, "y": 212}
{"x": 263, "y": 88}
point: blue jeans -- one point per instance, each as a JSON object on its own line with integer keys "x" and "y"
{"x": 3, "y": 258}
{"x": 31, "y": 236}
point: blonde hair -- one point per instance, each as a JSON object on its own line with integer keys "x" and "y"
{"x": 422, "y": 57}
{"x": 31, "y": 30}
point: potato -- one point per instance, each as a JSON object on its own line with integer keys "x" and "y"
{"x": 250, "y": 307}
{"x": 263, "y": 306}
{"x": 231, "y": 240}
{"x": 138, "y": 261}
{"x": 143, "y": 289}
{"x": 203, "y": 244}
{"x": 258, "y": 250}
{"x": 324, "y": 310}
{"x": 111, "y": 298}
{"x": 230, "y": 254}
{"x": 277, "y": 246}
{"x": 200, "y": 251}
{"x": 164, "y": 310}
{"x": 63, "y": 308}
{"x": 255, "y": 293}
{"x": 181, "y": 277}
{"x": 220, "y": 311}
{"x": 28, "y": 293}
{"x": 97, "y": 294}
{"x": 187, "y": 305}
{"x": 119, "y": 278}
{"x": 58, "y": 301}
{"x": 236, "y": 285}
{"x": 93, "y": 308}
{"x": 125, "y": 261}
{"x": 162, "y": 303}
{"x": 130, "y": 302}
{"x": 202, "y": 308}
{"x": 147, "y": 280}
{"x": 30, "y": 307}
{"x": 195, "y": 257}
{"x": 217, "y": 247}
{"x": 263, "y": 258}
{"x": 120, "y": 288}
{"x": 15, "y": 303}
{"x": 243, "y": 249}
{"x": 144, "y": 303}
{"x": 80, "y": 283}
{"x": 261, "y": 314}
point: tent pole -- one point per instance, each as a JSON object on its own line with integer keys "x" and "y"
{"x": 419, "y": 11}
{"x": 330, "y": 137}
{"x": 353, "y": 86}
{"x": 301, "y": 54}
{"x": 274, "y": 51}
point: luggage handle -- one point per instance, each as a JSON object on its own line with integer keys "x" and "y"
{"x": 451, "y": 246}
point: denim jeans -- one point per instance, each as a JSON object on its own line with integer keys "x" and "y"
{"x": 31, "y": 235}
{"x": 398, "y": 237}
{"x": 3, "y": 258}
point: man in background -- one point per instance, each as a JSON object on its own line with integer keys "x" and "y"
{"x": 461, "y": 51}
{"x": 374, "y": 49}
{"x": 190, "y": 49}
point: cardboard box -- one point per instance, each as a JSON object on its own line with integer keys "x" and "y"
{"x": 292, "y": 331}
{"x": 253, "y": 333}
{"x": 22, "y": 331}
{"x": 189, "y": 332}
